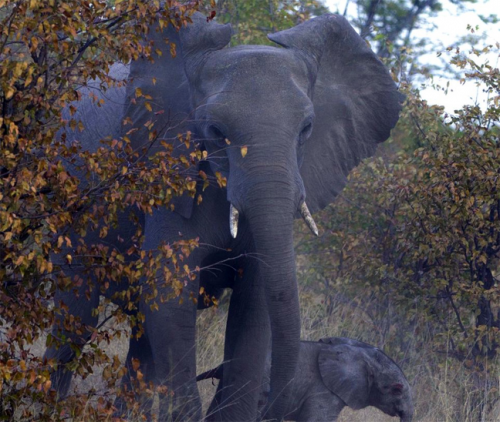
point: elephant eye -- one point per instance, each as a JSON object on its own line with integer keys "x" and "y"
{"x": 216, "y": 137}
{"x": 305, "y": 133}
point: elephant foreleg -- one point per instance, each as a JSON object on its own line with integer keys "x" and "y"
{"x": 247, "y": 338}
{"x": 319, "y": 407}
{"x": 81, "y": 309}
{"x": 171, "y": 334}
{"x": 139, "y": 353}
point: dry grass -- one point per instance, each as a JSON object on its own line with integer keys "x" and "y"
{"x": 211, "y": 325}
{"x": 445, "y": 393}
{"x": 442, "y": 392}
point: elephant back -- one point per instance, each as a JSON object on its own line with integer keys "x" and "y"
{"x": 335, "y": 341}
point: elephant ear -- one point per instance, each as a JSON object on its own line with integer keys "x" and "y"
{"x": 158, "y": 101}
{"x": 201, "y": 37}
{"x": 356, "y": 103}
{"x": 346, "y": 372}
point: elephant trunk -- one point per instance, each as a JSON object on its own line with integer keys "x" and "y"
{"x": 407, "y": 414}
{"x": 270, "y": 210}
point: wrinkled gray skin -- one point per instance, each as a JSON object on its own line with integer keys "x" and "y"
{"x": 338, "y": 372}
{"x": 308, "y": 113}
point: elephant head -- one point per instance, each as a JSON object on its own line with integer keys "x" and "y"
{"x": 362, "y": 375}
{"x": 284, "y": 126}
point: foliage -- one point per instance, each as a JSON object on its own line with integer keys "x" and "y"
{"x": 52, "y": 192}
{"x": 252, "y": 20}
{"x": 395, "y": 19}
{"x": 421, "y": 231}
{"x": 390, "y": 25}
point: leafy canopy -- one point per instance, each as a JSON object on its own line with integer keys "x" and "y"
{"x": 48, "y": 49}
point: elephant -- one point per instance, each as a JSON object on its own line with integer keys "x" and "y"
{"x": 283, "y": 125}
{"x": 336, "y": 372}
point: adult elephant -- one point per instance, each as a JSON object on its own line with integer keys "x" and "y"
{"x": 305, "y": 114}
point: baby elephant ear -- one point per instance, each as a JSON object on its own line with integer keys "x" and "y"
{"x": 346, "y": 373}
{"x": 356, "y": 103}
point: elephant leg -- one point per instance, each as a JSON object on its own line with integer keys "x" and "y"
{"x": 140, "y": 350}
{"x": 79, "y": 307}
{"x": 319, "y": 407}
{"x": 171, "y": 333}
{"x": 246, "y": 347}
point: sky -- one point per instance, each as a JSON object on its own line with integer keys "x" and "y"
{"x": 444, "y": 30}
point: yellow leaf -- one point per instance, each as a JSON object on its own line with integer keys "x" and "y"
{"x": 106, "y": 374}
{"x": 148, "y": 106}
{"x": 60, "y": 241}
{"x": 9, "y": 93}
{"x": 244, "y": 151}
{"x": 28, "y": 80}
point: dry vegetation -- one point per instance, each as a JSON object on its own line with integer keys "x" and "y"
{"x": 441, "y": 392}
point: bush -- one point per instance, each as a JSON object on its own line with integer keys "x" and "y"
{"x": 48, "y": 49}
{"x": 420, "y": 233}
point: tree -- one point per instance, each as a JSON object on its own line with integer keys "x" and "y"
{"x": 253, "y": 20}
{"x": 47, "y": 50}
{"x": 395, "y": 20}
{"x": 421, "y": 231}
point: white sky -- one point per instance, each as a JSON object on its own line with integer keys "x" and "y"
{"x": 444, "y": 30}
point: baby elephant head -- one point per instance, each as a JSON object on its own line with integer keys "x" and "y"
{"x": 362, "y": 375}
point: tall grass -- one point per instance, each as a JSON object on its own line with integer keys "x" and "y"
{"x": 443, "y": 388}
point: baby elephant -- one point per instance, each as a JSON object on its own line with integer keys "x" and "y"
{"x": 337, "y": 372}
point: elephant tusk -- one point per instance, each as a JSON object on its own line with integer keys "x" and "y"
{"x": 306, "y": 215}
{"x": 233, "y": 221}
